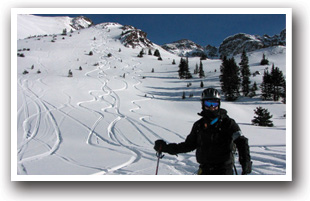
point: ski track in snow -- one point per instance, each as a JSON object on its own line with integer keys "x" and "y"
{"x": 35, "y": 111}
{"x": 30, "y": 135}
{"x": 116, "y": 138}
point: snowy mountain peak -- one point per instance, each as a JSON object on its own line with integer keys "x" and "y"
{"x": 231, "y": 45}
{"x": 81, "y": 22}
{"x": 184, "y": 47}
{"x": 235, "y": 44}
{"x": 133, "y": 37}
{"x": 186, "y": 43}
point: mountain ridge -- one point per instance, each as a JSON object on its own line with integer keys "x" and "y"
{"x": 133, "y": 37}
{"x": 232, "y": 45}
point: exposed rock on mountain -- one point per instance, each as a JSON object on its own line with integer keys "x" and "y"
{"x": 81, "y": 22}
{"x": 235, "y": 44}
{"x": 133, "y": 37}
{"x": 211, "y": 51}
{"x": 232, "y": 45}
{"x": 184, "y": 48}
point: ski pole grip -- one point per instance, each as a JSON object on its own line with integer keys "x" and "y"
{"x": 160, "y": 148}
{"x": 159, "y": 152}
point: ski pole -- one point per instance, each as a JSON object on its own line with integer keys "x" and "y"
{"x": 159, "y": 156}
{"x": 235, "y": 170}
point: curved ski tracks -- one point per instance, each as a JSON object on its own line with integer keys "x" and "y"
{"x": 29, "y": 134}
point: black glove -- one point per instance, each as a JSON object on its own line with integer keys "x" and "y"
{"x": 160, "y": 146}
{"x": 246, "y": 167}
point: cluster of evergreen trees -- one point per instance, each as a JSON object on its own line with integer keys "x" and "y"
{"x": 156, "y": 53}
{"x": 32, "y": 67}
{"x": 274, "y": 85}
{"x": 235, "y": 79}
{"x": 184, "y": 69}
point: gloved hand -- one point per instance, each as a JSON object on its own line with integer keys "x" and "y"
{"x": 160, "y": 146}
{"x": 246, "y": 167}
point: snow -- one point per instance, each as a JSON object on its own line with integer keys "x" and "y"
{"x": 104, "y": 120}
{"x": 30, "y": 25}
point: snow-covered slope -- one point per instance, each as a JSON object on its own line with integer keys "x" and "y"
{"x": 105, "y": 118}
{"x": 31, "y": 25}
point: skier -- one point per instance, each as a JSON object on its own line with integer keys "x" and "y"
{"x": 214, "y": 137}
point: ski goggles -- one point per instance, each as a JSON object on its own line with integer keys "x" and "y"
{"x": 209, "y": 103}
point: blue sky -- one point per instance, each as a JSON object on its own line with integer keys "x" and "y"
{"x": 203, "y": 29}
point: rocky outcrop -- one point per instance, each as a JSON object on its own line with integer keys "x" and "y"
{"x": 184, "y": 48}
{"x": 235, "y": 44}
{"x": 231, "y": 46}
{"x": 133, "y": 37}
{"x": 81, "y": 22}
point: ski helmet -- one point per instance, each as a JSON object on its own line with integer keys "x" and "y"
{"x": 210, "y": 94}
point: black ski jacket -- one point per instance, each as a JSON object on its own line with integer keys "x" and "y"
{"x": 214, "y": 144}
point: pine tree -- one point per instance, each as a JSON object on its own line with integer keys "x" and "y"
{"x": 141, "y": 53}
{"x": 196, "y": 69}
{"x": 183, "y": 95}
{"x": 264, "y": 61}
{"x": 183, "y": 69}
{"x": 266, "y": 87}
{"x": 278, "y": 82}
{"x": 263, "y": 117}
{"x": 245, "y": 73}
{"x": 157, "y": 53}
{"x": 229, "y": 78}
{"x": 201, "y": 72}
{"x": 64, "y": 32}
{"x": 70, "y": 74}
